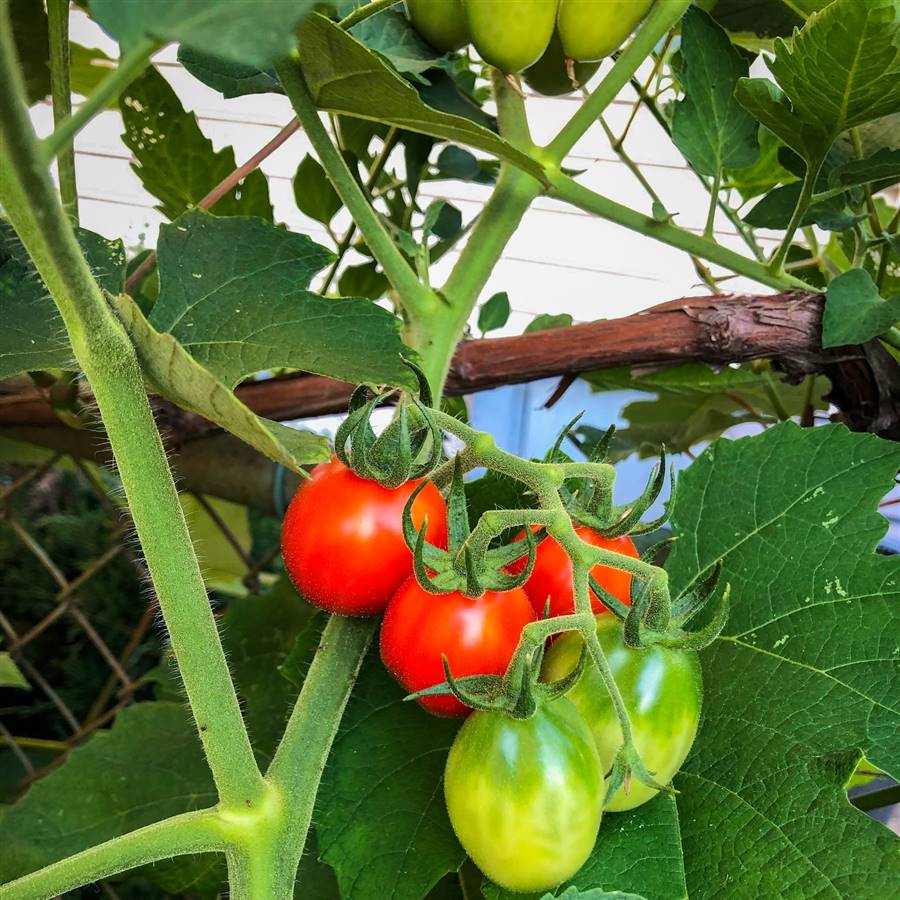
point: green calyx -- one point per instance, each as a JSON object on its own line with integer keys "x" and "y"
{"x": 410, "y": 447}
{"x": 654, "y": 619}
{"x": 518, "y": 693}
{"x": 469, "y": 564}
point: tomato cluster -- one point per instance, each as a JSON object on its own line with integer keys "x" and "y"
{"x": 558, "y": 44}
{"x": 525, "y": 795}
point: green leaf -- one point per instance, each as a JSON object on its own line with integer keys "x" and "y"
{"x": 313, "y": 193}
{"x": 546, "y": 321}
{"x": 234, "y": 292}
{"x": 763, "y": 175}
{"x": 494, "y": 312}
{"x": 804, "y": 677}
{"x": 765, "y": 18}
{"x": 345, "y": 77}
{"x": 174, "y": 374}
{"x": 10, "y": 674}
{"x": 390, "y": 35}
{"x": 442, "y": 219}
{"x": 175, "y": 160}
{"x": 365, "y": 280}
{"x": 380, "y": 814}
{"x": 231, "y": 79}
{"x": 709, "y": 126}
{"x": 29, "y": 32}
{"x": 455, "y": 162}
{"x": 619, "y": 860}
{"x": 88, "y": 66}
{"x": 854, "y": 310}
{"x": 777, "y": 207}
{"x": 254, "y": 32}
{"x": 883, "y": 167}
{"x": 33, "y": 335}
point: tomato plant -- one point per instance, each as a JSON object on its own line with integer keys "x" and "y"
{"x": 478, "y": 636}
{"x": 342, "y": 542}
{"x": 744, "y": 155}
{"x": 524, "y": 797}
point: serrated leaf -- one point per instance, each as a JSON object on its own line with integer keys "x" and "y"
{"x": 709, "y": 126}
{"x": 173, "y": 373}
{"x": 494, "y": 312}
{"x": 804, "y": 676}
{"x": 255, "y": 32}
{"x": 883, "y": 167}
{"x": 229, "y": 78}
{"x": 175, "y": 160}
{"x": 380, "y": 815}
{"x": 855, "y": 311}
{"x": 234, "y": 292}
{"x": 33, "y": 335}
{"x": 313, "y": 193}
{"x": 345, "y": 77}
{"x": 10, "y": 674}
{"x": 619, "y": 861}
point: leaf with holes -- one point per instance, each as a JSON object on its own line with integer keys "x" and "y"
{"x": 175, "y": 160}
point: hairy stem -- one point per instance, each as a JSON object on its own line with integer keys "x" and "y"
{"x": 60, "y": 90}
{"x": 664, "y": 15}
{"x": 193, "y": 832}
{"x": 131, "y": 64}
{"x": 776, "y": 266}
{"x": 414, "y": 296}
{"x": 107, "y": 357}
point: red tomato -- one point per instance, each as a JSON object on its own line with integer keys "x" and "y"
{"x": 342, "y": 538}
{"x": 552, "y": 573}
{"x": 477, "y": 635}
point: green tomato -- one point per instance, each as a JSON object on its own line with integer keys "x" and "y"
{"x": 510, "y": 34}
{"x": 592, "y": 29}
{"x": 662, "y": 689}
{"x": 550, "y": 76}
{"x": 441, "y": 22}
{"x": 525, "y": 795}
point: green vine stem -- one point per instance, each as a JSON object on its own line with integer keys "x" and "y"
{"x": 131, "y": 64}
{"x": 776, "y": 266}
{"x": 361, "y": 13}
{"x": 664, "y": 15}
{"x": 414, "y": 296}
{"x": 61, "y": 94}
{"x": 107, "y": 357}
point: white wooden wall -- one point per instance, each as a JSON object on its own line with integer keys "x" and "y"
{"x": 560, "y": 260}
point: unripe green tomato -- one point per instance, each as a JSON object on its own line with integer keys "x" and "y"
{"x": 592, "y": 29}
{"x": 662, "y": 690}
{"x": 550, "y": 75}
{"x": 441, "y": 22}
{"x": 525, "y": 795}
{"x": 510, "y": 34}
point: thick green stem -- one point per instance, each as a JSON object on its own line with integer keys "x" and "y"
{"x": 130, "y": 66}
{"x": 414, "y": 296}
{"x": 776, "y": 266}
{"x": 107, "y": 357}
{"x": 300, "y": 758}
{"x": 565, "y": 188}
{"x": 60, "y": 90}
{"x": 664, "y": 15}
{"x": 193, "y": 832}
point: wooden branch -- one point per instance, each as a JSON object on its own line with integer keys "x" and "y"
{"x": 717, "y": 330}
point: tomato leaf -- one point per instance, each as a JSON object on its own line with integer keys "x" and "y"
{"x": 494, "y": 312}
{"x": 10, "y": 674}
{"x": 390, "y": 34}
{"x": 254, "y": 32}
{"x": 33, "y": 335}
{"x": 380, "y": 814}
{"x": 855, "y": 311}
{"x": 229, "y": 78}
{"x": 882, "y": 166}
{"x": 175, "y": 160}
{"x": 709, "y": 126}
{"x": 345, "y": 77}
{"x": 313, "y": 193}
{"x": 234, "y": 292}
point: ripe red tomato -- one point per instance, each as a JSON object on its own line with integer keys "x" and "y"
{"x": 342, "y": 538}
{"x": 552, "y": 573}
{"x": 477, "y": 635}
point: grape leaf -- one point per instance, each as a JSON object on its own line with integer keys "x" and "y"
{"x": 709, "y": 126}
{"x": 855, "y": 311}
{"x": 380, "y": 814}
{"x": 254, "y": 32}
{"x": 234, "y": 293}
{"x": 33, "y": 335}
{"x": 345, "y": 77}
{"x": 175, "y": 160}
